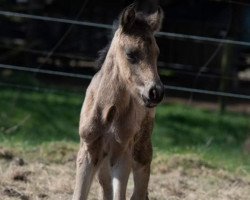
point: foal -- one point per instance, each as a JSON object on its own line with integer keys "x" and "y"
{"x": 118, "y": 113}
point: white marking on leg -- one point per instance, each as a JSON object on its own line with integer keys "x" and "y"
{"x": 116, "y": 186}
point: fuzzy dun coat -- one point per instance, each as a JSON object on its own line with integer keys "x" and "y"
{"x": 118, "y": 113}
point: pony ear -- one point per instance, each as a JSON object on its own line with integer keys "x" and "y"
{"x": 128, "y": 17}
{"x": 133, "y": 17}
{"x": 155, "y": 19}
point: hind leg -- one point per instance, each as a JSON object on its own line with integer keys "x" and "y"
{"x": 105, "y": 180}
{"x": 141, "y": 170}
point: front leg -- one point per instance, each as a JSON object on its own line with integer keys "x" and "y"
{"x": 88, "y": 160}
{"x": 141, "y": 168}
{"x": 105, "y": 179}
{"x": 141, "y": 174}
{"x": 120, "y": 174}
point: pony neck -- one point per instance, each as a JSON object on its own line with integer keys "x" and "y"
{"x": 112, "y": 82}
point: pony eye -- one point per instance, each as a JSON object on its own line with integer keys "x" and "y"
{"x": 133, "y": 56}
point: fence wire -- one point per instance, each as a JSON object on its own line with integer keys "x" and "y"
{"x": 44, "y": 71}
{"x": 38, "y": 89}
{"x": 87, "y": 77}
{"x": 92, "y": 63}
{"x": 107, "y": 26}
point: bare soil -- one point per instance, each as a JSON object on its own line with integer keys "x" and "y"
{"x": 178, "y": 178}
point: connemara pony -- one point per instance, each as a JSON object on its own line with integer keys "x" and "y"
{"x": 118, "y": 113}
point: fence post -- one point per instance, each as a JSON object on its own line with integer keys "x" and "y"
{"x": 226, "y": 67}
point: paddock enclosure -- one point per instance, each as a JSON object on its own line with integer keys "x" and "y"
{"x": 201, "y": 139}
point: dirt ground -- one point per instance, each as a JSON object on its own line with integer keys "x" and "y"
{"x": 179, "y": 178}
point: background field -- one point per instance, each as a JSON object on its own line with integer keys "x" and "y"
{"x": 201, "y": 140}
{"x": 198, "y": 153}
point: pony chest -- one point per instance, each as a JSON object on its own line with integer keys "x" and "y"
{"x": 128, "y": 124}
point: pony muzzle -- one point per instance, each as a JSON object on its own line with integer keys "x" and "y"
{"x": 153, "y": 95}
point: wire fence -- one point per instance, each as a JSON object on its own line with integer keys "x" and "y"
{"x": 237, "y": 3}
{"x": 39, "y": 89}
{"x": 107, "y": 26}
{"x": 44, "y": 71}
{"x": 167, "y": 66}
{"x": 44, "y": 52}
{"x": 87, "y": 77}
{"x": 195, "y": 38}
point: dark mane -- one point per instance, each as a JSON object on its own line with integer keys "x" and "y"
{"x": 102, "y": 54}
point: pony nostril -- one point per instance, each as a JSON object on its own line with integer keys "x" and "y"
{"x": 153, "y": 94}
{"x": 156, "y": 93}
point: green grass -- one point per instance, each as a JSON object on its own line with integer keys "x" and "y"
{"x": 35, "y": 118}
{"x": 216, "y": 138}
{"x": 30, "y": 120}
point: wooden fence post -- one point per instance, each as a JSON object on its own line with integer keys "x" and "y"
{"x": 226, "y": 67}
